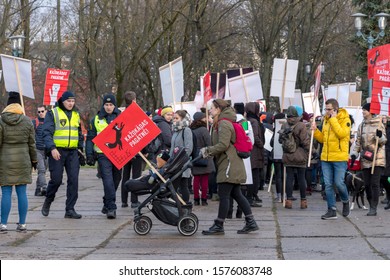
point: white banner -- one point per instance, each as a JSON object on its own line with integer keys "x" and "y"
{"x": 172, "y": 83}
{"x": 189, "y": 106}
{"x": 357, "y": 114}
{"x": 278, "y": 151}
{"x": 284, "y": 72}
{"x": 296, "y": 100}
{"x": 245, "y": 88}
{"x": 268, "y": 136}
{"x": 17, "y": 75}
{"x": 309, "y": 105}
{"x": 340, "y": 92}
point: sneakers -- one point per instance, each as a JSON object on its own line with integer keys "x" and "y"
{"x": 3, "y": 228}
{"x": 346, "y": 208}
{"x": 330, "y": 215}
{"x": 21, "y": 228}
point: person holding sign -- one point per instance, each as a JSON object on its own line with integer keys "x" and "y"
{"x": 335, "y": 137}
{"x": 17, "y": 156}
{"x": 231, "y": 170}
{"x": 111, "y": 175}
{"x": 371, "y": 136}
{"x": 64, "y": 141}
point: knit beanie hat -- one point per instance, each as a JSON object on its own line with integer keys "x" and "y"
{"x": 166, "y": 110}
{"x": 294, "y": 111}
{"x": 199, "y": 116}
{"x": 367, "y": 107}
{"x": 109, "y": 98}
{"x": 14, "y": 97}
{"x": 67, "y": 95}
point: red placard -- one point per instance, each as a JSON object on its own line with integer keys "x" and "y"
{"x": 128, "y": 134}
{"x": 377, "y": 58}
{"x": 56, "y": 85}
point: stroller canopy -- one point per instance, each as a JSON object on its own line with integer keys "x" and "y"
{"x": 175, "y": 162}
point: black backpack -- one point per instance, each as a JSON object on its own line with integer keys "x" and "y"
{"x": 287, "y": 139}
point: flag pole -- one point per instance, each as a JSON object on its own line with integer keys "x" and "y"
{"x": 284, "y": 83}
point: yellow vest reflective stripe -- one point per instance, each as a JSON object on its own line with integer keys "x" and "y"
{"x": 99, "y": 125}
{"x": 66, "y": 135}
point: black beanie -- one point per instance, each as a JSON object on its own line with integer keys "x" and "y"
{"x": 67, "y": 95}
{"x": 366, "y": 107}
{"x": 14, "y": 97}
{"x": 109, "y": 98}
{"x": 240, "y": 108}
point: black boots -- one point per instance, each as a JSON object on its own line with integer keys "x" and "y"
{"x": 216, "y": 228}
{"x": 71, "y": 214}
{"x": 46, "y": 208}
{"x": 372, "y": 211}
{"x": 250, "y": 225}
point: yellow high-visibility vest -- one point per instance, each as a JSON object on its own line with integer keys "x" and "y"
{"x": 100, "y": 125}
{"x": 66, "y": 135}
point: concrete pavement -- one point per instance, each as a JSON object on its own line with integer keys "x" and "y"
{"x": 284, "y": 234}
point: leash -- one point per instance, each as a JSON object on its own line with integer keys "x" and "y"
{"x": 354, "y": 176}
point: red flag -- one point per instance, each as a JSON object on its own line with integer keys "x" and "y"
{"x": 207, "y": 87}
{"x": 317, "y": 84}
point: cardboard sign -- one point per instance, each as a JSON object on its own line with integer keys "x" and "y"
{"x": 284, "y": 76}
{"x": 355, "y": 99}
{"x": 245, "y": 88}
{"x": 128, "y": 134}
{"x": 56, "y": 84}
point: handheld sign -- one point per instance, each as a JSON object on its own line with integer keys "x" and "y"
{"x": 56, "y": 85}
{"x": 128, "y": 134}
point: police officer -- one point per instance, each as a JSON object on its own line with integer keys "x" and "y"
{"x": 111, "y": 176}
{"x": 64, "y": 142}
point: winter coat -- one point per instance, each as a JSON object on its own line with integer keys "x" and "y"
{"x": 203, "y": 139}
{"x": 166, "y": 132}
{"x": 300, "y": 157}
{"x": 38, "y": 125}
{"x": 335, "y": 137}
{"x": 17, "y": 147}
{"x": 257, "y": 153}
{"x": 230, "y": 167}
{"x": 183, "y": 138}
{"x": 366, "y": 139}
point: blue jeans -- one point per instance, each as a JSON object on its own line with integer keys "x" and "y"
{"x": 6, "y": 202}
{"x": 334, "y": 174}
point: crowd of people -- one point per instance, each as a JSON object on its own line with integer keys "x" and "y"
{"x": 54, "y": 139}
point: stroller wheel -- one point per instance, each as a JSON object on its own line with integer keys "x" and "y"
{"x": 195, "y": 217}
{"x": 142, "y": 225}
{"x": 187, "y": 225}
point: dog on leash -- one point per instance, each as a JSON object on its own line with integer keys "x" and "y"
{"x": 355, "y": 185}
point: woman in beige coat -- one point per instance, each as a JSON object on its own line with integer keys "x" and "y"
{"x": 370, "y": 131}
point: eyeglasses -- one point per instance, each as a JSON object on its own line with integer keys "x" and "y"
{"x": 329, "y": 109}
{"x": 41, "y": 111}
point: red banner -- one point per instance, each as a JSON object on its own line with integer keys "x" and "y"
{"x": 207, "y": 87}
{"x": 377, "y": 58}
{"x": 128, "y": 134}
{"x": 56, "y": 85}
{"x": 380, "y": 98}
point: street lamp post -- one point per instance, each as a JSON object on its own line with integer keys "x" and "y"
{"x": 371, "y": 38}
{"x": 17, "y": 45}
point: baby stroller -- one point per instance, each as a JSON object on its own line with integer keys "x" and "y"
{"x": 163, "y": 201}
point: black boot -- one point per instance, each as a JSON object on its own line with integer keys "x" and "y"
{"x": 372, "y": 211}
{"x": 387, "y": 207}
{"x": 38, "y": 192}
{"x": 46, "y": 208}
{"x": 196, "y": 201}
{"x": 250, "y": 225}
{"x": 216, "y": 228}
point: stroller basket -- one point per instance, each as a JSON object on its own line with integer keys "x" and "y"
{"x": 168, "y": 212}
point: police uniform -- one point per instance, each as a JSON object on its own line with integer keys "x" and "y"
{"x": 62, "y": 131}
{"x": 111, "y": 176}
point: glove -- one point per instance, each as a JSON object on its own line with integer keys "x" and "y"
{"x": 34, "y": 165}
{"x": 90, "y": 160}
{"x": 81, "y": 158}
{"x": 204, "y": 152}
{"x": 379, "y": 133}
{"x": 353, "y": 158}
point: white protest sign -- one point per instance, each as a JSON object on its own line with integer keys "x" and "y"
{"x": 248, "y": 170}
{"x": 245, "y": 88}
{"x": 296, "y": 100}
{"x": 284, "y": 75}
{"x": 340, "y": 92}
{"x": 357, "y": 114}
{"x": 17, "y": 75}
{"x": 309, "y": 105}
{"x": 263, "y": 105}
{"x": 278, "y": 151}
{"x": 189, "y": 106}
{"x": 268, "y": 136}
{"x": 172, "y": 83}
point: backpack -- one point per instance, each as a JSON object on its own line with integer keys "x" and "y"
{"x": 287, "y": 139}
{"x": 243, "y": 143}
{"x": 154, "y": 146}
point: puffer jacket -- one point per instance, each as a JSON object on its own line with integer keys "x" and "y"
{"x": 230, "y": 166}
{"x": 300, "y": 157}
{"x": 17, "y": 147}
{"x": 335, "y": 137}
{"x": 366, "y": 139}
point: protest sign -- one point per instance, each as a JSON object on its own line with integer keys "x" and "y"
{"x": 127, "y": 135}
{"x": 340, "y": 92}
{"x": 378, "y": 58}
{"x": 172, "y": 83}
{"x": 278, "y": 151}
{"x": 309, "y": 105}
{"x": 56, "y": 84}
{"x": 245, "y": 88}
{"x": 381, "y": 92}
{"x": 296, "y": 100}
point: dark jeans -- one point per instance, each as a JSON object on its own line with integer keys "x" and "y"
{"x": 372, "y": 184}
{"x": 278, "y": 177}
{"x": 290, "y": 181}
{"x": 225, "y": 190}
{"x": 253, "y": 188}
{"x": 111, "y": 177}
{"x": 181, "y": 184}
{"x": 141, "y": 184}
{"x": 213, "y": 187}
{"x": 386, "y": 185}
{"x": 70, "y": 160}
{"x": 134, "y": 165}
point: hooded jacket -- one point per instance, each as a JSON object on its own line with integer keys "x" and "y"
{"x": 166, "y": 131}
{"x": 230, "y": 167}
{"x": 17, "y": 147}
{"x": 366, "y": 139}
{"x": 252, "y": 110}
{"x": 335, "y": 136}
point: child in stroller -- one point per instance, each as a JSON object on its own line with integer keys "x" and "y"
{"x": 164, "y": 202}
